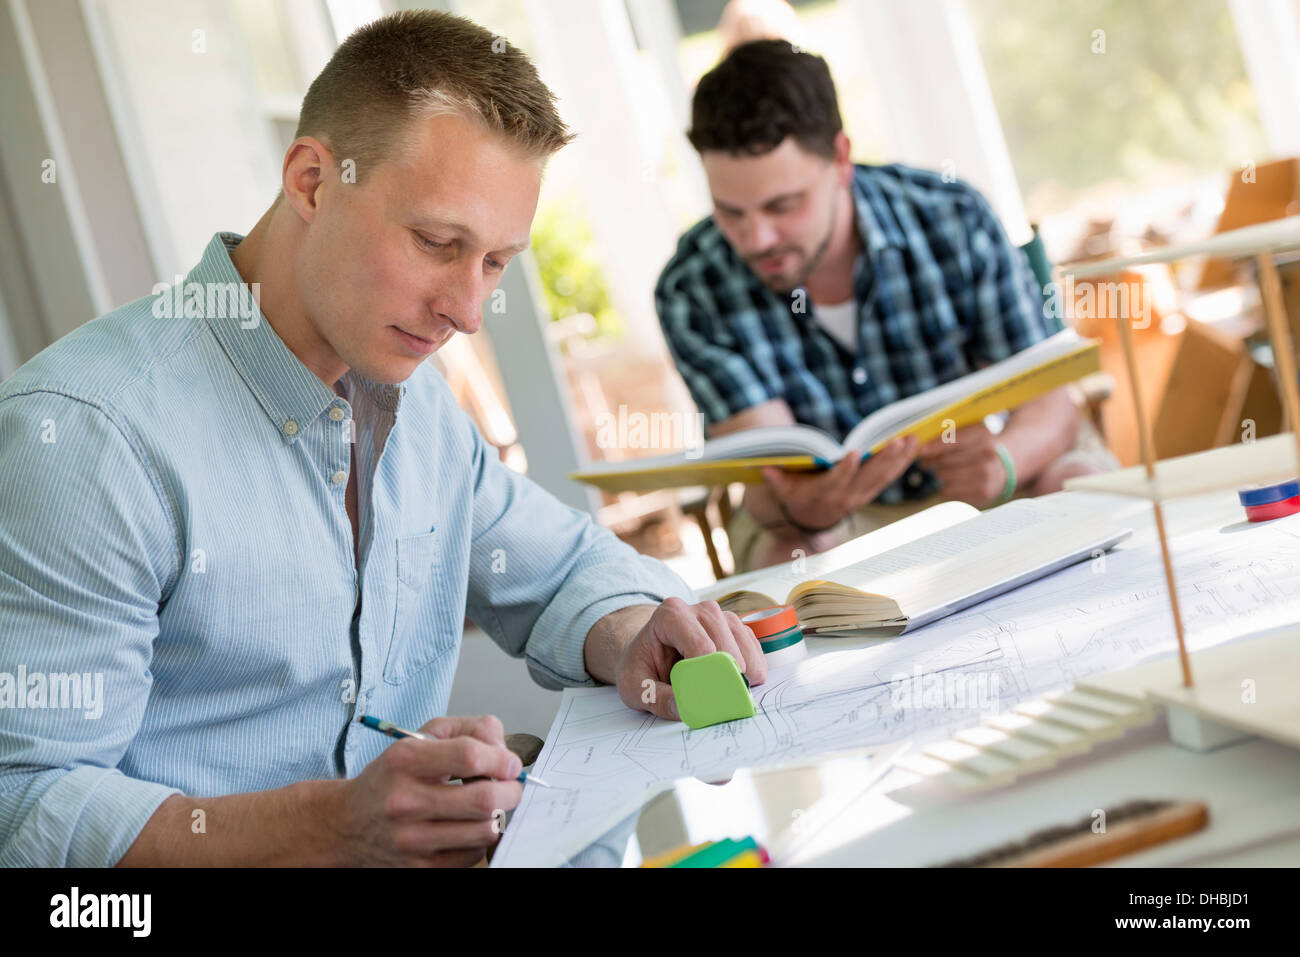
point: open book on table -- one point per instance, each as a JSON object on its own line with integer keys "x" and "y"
{"x": 923, "y": 567}
{"x": 740, "y": 457}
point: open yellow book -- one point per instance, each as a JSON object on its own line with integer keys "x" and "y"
{"x": 923, "y": 567}
{"x": 740, "y": 457}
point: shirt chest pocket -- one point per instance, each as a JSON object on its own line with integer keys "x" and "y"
{"x": 422, "y": 625}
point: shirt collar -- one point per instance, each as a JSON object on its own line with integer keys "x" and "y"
{"x": 877, "y": 227}
{"x": 290, "y": 394}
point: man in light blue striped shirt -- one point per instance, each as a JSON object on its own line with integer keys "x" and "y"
{"x": 227, "y": 529}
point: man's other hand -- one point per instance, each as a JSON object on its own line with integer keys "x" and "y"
{"x": 679, "y": 630}
{"x": 969, "y": 467}
{"x": 820, "y": 500}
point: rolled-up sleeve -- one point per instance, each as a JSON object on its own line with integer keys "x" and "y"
{"x": 719, "y": 377}
{"x": 87, "y": 549}
{"x": 541, "y": 573}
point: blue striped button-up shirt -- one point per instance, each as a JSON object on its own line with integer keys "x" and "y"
{"x": 940, "y": 292}
{"x": 180, "y": 606}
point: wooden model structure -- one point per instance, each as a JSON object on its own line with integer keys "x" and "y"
{"x": 1215, "y": 711}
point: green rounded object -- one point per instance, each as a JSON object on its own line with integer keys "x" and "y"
{"x": 710, "y": 690}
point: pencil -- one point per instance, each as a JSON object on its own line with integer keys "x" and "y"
{"x": 393, "y": 731}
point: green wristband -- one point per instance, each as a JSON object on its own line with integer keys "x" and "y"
{"x": 1010, "y": 488}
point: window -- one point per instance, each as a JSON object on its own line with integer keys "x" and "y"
{"x": 1114, "y": 110}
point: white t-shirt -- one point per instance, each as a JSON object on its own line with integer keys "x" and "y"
{"x": 841, "y": 321}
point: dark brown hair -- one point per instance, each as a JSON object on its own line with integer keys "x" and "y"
{"x": 761, "y": 93}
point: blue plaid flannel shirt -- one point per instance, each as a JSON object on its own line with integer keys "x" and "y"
{"x": 940, "y": 290}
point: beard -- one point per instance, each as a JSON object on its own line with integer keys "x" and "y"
{"x": 785, "y": 285}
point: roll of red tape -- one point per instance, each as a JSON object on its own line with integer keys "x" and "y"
{"x": 1272, "y": 510}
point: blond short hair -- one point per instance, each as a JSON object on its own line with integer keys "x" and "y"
{"x": 422, "y": 63}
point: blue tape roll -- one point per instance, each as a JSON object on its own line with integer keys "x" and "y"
{"x": 1268, "y": 494}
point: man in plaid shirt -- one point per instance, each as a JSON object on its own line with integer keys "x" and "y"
{"x": 820, "y": 291}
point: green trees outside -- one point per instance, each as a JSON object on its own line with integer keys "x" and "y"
{"x": 1138, "y": 92}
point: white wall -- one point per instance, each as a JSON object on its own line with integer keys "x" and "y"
{"x": 198, "y": 145}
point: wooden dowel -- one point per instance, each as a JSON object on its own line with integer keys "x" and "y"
{"x": 1149, "y": 460}
{"x": 1279, "y": 336}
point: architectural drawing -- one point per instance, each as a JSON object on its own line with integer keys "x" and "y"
{"x": 605, "y": 760}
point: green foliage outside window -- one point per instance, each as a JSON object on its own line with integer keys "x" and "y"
{"x": 1131, "y": 91}
{"x": 570, "y": 270}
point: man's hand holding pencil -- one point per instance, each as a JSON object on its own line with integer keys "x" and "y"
{"x": 404, "y": 810}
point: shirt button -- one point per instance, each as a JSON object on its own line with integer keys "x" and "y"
{"x": 339, "y": 477}
{"x": 336, "y": 414}
{"x": 291, "y": 427}
{"x": 859, "y": 375}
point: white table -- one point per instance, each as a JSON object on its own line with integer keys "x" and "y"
{"x": 1252, "y": 789}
